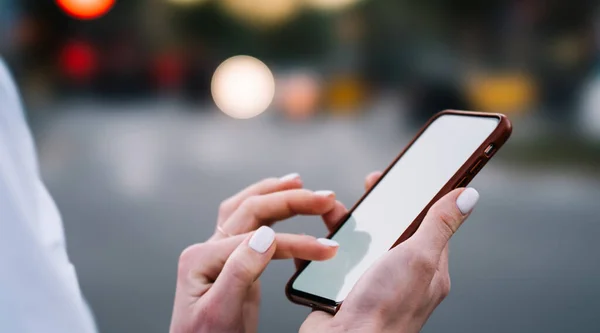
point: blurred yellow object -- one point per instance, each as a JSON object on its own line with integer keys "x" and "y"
{"x": 345, "y": 94}
{"x": 331, "y": 5}
{"x": 261, "y": 12}
{"x": 243, "y": 87}
{"x": 505, "y": 92}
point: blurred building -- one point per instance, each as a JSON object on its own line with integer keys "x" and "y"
{"x": 510, "y": 56}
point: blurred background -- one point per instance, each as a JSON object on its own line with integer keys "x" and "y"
{"x": 123, "y": 98}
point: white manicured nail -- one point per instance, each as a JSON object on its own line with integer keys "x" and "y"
{"x": 325, "y": 193}
{"x": 467, "y": 200}
{"x": 328, "y": 242}
{"x": 262, "y": 239}
{"x": 289, "y": 177}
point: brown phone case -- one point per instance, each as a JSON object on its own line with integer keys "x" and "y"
{"x": 461, "y": 178}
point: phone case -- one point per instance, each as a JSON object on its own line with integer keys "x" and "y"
{"x": 461, "y": 178}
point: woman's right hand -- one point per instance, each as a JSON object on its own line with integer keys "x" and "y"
{"x": 217, "y": 283}
{"x": 215, "y": 278}
{"x": 401, "y": 290}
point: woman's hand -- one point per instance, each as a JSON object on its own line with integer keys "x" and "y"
{"x": 272, "y": 200}
{"x": 401, "y": 290}
{"x": 215, "y": 279}
{"x": 261, "y": 204}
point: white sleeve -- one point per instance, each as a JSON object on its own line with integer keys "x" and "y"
{"x": 39, "y": 291}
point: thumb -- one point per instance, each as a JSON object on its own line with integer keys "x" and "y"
{"x": 244, "y": 266}
{"x": 443, "y": 220}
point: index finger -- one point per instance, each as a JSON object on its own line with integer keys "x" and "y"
{"x": 269, "y": 208}
{"x": 265, "y": 186}
{"x": 208, "y": 259}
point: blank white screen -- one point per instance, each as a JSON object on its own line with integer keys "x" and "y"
{"x": 395, "y": 202}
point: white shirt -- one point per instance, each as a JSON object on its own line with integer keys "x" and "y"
{"x": 39, "y": 291}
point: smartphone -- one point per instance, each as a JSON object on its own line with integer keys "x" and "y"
{"x": 446, "y": 153}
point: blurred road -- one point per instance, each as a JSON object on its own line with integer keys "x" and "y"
{"x": 138, "y": 183}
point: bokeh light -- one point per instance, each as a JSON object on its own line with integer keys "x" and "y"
{"x": 243, "y": 87}
{"x": 78, "y": 60}
{"x": 345, "y": 94}
{"x": 186, "y": 2}
{"x": 501, "y": 92}
{"x": 590, "y": 110}
{"x": 298, "y": 94}
{"x": 262, "y": 12}
{"x": 330, "y": 5}
{"x": 86, "y": 9}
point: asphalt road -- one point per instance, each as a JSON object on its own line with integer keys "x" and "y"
{"x": 137, "y": 185}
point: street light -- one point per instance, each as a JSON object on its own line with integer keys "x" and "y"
{"x": 85, "y": 9}
{"x": 243, "y": 87}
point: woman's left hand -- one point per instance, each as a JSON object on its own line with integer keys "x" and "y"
{"x": 261, "y": 204}
{"x": 216, "y": 279}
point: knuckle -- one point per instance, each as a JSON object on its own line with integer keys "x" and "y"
{"x": 186, "y": 258}
{"x": 250, "y": 203}
{"x": 191, "y": 256}
{"x": 226, "y": 207}
{"x": 447, "y": 222}
{"x": 241, "y": 271}
{"x": 421, "y": 263}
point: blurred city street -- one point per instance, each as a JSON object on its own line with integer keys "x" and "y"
{"x": 137, "y": 183}
{"x": 123, "y": 100}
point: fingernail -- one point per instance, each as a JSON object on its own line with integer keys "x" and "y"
{"x": 262, "y": 239}
{"x": 325, "y": 193}
{"x": 467, "y": 200}
{"x": 289, "y": 177}
{"x": 328, "y": 242}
